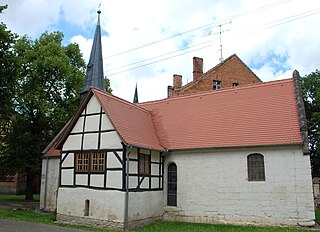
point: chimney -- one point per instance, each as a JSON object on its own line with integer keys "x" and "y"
{"x": 197, "y": 67}
{"x": 177, "y": 81}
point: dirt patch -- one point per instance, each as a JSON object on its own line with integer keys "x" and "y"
{"x": 26, "y": 205}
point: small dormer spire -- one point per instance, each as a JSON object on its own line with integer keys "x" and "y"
{"x": 135, "y": 97}
{"x": 94, "y": 73}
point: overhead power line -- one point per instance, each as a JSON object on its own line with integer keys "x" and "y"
{"x": 204, "y": 27}
{"x": 240, "y": 34}
{"x": 158, "y": 61}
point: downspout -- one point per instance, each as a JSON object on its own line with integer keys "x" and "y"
{"x": 45, "y": 185}
{"x": 126, "y": 199}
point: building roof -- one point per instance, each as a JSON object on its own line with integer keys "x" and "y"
{"x": 261, "y": 114}
{"x": 133, "y": 123}
{"x": 256, "y": 115}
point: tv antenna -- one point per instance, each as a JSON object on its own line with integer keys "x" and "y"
{"x": 220, "y": 35}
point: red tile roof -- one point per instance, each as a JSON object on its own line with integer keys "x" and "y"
{"x": 52, "y": 152}
{"x": 133, "y": 123}
{"x": 257, "y": 115}
{"x": 260, "y": 114}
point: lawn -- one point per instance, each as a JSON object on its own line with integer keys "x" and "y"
{"x": 16, "y": 198}
{"x": 182, "y": 227}
{"x": 33, "y": 216}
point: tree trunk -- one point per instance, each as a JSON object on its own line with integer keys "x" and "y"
{"x": 29, "y": 190}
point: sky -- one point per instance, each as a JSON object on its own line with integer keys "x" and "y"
{"x": 146, "y": 42}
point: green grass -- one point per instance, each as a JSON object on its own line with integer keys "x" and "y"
{"x": 318, "y": 216}
{"x": 190, "y": 227}
{"x": 16, "y": 198}
{"x": 44, "y": 218}
{"x": 32, "y": 216}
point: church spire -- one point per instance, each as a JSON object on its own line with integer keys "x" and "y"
{"x": 94, "y": 74}
{"x": 135, "y": 98}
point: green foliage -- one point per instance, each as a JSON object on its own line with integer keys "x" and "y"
{"x": 45, "y": 83}
{"x": 3, "y": 8}
{"x": 8, "y": 73}
{"x": 311, "y": 93}
{"x": 106, "y": 83}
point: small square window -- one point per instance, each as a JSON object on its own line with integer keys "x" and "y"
{"x": 82, "y": 162}
{"x": 216, "y": 84}
{"x": 235, "y": 84}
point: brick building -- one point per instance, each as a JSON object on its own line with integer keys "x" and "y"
{"x": 231, "y": 72}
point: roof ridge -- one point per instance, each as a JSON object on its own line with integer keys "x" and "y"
{"x": 120, "y": 99}
{"x": 220, "y": 91}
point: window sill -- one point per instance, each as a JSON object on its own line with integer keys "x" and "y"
{"x": 168, "y": 208}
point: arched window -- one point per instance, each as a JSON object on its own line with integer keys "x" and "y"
{"x": 256, "y": 167}
{"x": 172, "y": 185}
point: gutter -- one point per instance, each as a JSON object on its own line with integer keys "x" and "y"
{"x": 126, "y": 199}
{"x": 235, "y": 147}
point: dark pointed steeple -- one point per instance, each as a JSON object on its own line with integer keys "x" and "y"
{"x": 135, "y": 98}
{"x": 94, "y": 74}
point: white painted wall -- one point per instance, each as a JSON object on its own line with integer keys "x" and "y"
{"x": 213, "y": 186}
{"x": 144, "y": 205}
{"x": 49, "y": 183}
{"x": 105, "y": 205}
{"x": 93, "y": 105}
{"x": 110, "y": 140}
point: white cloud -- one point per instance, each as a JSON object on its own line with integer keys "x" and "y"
{"x": 254, "y": 36}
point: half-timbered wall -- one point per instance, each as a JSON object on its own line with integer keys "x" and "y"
{"x": 100, "y": 195}
{"x": 145, "y": 182}
{"x": 88, "y": 196}
{"x": 213, "y": 186}
{"x": 146, "y": 191}
{"x": 93, "y": 133}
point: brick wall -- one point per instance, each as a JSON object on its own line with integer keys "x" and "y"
{"x": 232, "y": 70}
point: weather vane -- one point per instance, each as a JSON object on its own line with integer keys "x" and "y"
{"x": 99, "y": 11}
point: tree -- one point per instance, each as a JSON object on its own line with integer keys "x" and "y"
{"x": 106, "y": 83}
{"x": 49, "y": 79}
{"x": 8, "y": 73}
{"x": 311, "y": 92}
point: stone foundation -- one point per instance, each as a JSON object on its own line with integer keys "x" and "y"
{"x": 143, "y": 222}
{"x": 87, "y": 221}
{"x": 176, "y": 214}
